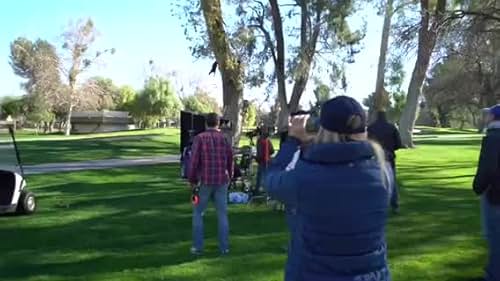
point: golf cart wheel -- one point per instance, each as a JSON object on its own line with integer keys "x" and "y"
{"x": 27, "y": 203}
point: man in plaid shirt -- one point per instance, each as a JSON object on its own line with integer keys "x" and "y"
{"x": 211, "y": 169}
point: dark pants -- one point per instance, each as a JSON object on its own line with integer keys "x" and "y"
{"x": 490, "y": 215}
{"x": 261, "y": 174}
{"x": 395, "y": 191}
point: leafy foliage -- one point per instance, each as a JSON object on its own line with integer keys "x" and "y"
{"x": 37, "y": 62}
{"x": 250, "y": 115}
{"x": 201, "y": 102}
{"x": 11, "y": 106}
{"x": 156, "y": 101}
{"x": 126, "y": 98}
{"x": 324, "y": 31}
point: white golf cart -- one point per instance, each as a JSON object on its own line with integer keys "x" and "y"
{"x": 14, "y": 197}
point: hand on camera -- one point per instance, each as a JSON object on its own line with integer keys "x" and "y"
{"x": 297, "y": 127}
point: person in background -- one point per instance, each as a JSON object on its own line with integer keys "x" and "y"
{"x": 211, "y": 170}
{"x": 387, "y": 135}
{"x": 487, "y": 185}
{"x": 341, "y": 187}
{"x": 186, "y": 156}
{"x": 265, "y": 150}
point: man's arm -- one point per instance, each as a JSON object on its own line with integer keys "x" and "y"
{"x": 397, "y": 139}
{"x": 195, "y": 161}
{"x": 285, "y": 154}
{"x": 279, "y": 183}
{"x": 487, "y": 166}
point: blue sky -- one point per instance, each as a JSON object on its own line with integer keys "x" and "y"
{"x": 141, "y": 30}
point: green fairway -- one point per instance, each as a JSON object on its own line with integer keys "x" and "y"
{"x": 56, "y": 148}
{"x": 135, "y": 224}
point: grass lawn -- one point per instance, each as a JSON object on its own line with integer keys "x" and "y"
{"x": 56, "y": 148}
{"x": 135, "y": 224}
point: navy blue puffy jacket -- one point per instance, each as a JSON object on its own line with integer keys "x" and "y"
{"x": 342, "y": 197}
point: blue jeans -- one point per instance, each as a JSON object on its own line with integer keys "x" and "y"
{"x": 490, "y": 215}
{"x": 219, "y": 194}
{"x": 261, "y": 174}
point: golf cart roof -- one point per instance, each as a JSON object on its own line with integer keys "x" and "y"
{"x": 8, "y": 158}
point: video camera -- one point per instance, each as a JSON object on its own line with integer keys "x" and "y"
{"x": 312, "y": 125}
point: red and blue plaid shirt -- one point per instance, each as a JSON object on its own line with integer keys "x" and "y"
{"x": 211, "y": 159}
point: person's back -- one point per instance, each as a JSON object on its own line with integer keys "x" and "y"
{"x": 210, "y": 171}
{"x": 186, "y": 161}
{"x": 339, "y": 240}
{"x": 487, "y": 179}
{"x": 340, "y": 187}
{"x": 265, "y": 150}
{"x": 487, "y": 185}
{"x": 386, "y": 134}
{"x": 212, "y": 157}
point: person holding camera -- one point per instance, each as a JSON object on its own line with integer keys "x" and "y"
{"x": 387, "y": 135}
{"x": 487, "y": 185}
{"x": 210, "y": 172}
{"x": 340, "y": 187}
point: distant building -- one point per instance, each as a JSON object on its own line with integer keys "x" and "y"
{"x": 101, "y": 121}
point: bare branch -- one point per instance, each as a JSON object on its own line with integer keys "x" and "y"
{"x": 458, "y": 14}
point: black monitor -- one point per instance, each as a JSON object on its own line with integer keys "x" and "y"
{"x": 193, "y": 124}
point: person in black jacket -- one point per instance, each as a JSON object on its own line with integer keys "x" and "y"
{"x": 487, "y": 185}
{"x": 387, "y": 135}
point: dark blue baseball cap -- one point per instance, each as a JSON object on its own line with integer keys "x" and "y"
{"x": 337, "y": 113}
{"x": 495, "y": 111}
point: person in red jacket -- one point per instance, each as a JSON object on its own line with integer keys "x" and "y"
{"x": 265, "y": 150}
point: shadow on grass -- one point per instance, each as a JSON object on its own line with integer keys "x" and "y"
{"x": 445, "y": 131}
{"x": 449, "y": 142}
{"x": 55, "y": 151}
{"x": 112, "y": 224}
{"x": 135, "y": 224}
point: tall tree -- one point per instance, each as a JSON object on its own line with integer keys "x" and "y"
{"x": 258, "y": 33}
{"x": 37, "y": 62}
{"x": 78, "y": 40}
{"x": 106, "y": 95}
{"x": 380, "y": 98}
{"x": 230, "y": 66}
{"x": 127, "y": 96}
{"x": 430, "y": 22}
{"x": 12, "y": 106}
{"x": 323, "y": 29}
{"x": 155, "y": 102}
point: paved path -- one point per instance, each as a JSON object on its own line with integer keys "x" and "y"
{"x": 99, "y": 164}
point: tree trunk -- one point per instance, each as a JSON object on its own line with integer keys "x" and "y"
{"x": 409, "y": 116}
{"x": 67, "y": 129}
{"x": 426, "y": 41}
{"x": 308, "y": 41}
{"x": 381, "y": 98}
{"x": 233, "y": 104}
{"x": 230, "y": 68}
{"x": 280, "y": 66}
